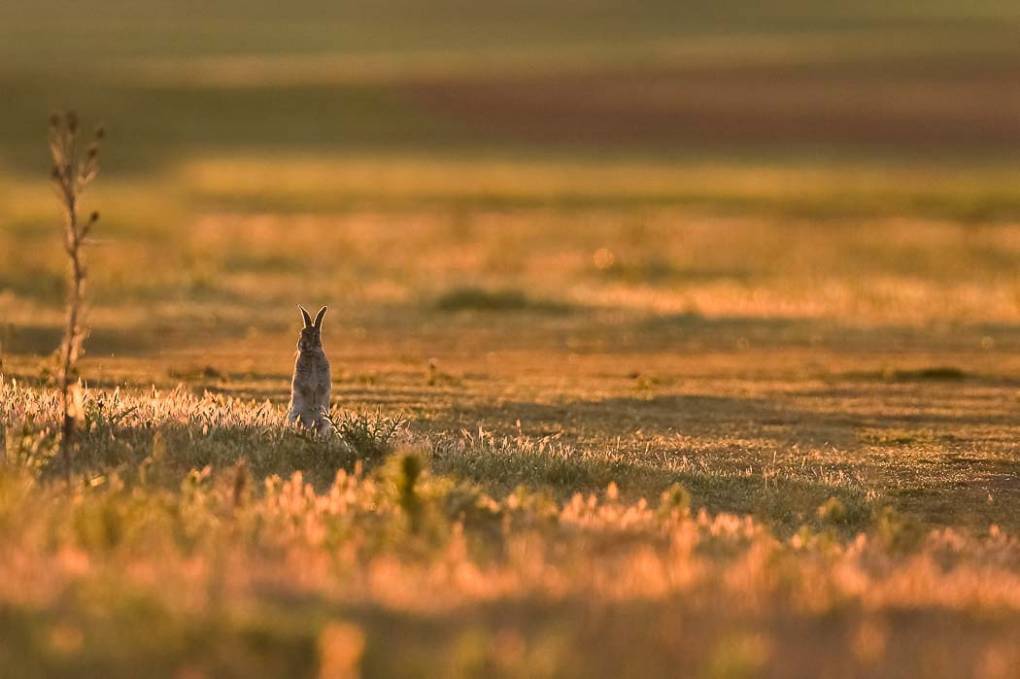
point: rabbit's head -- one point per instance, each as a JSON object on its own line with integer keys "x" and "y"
{"x": 311, "y": 337}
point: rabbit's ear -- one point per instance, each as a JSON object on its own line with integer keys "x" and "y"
{"x": 304, "y": 315}
{"x": 318, "y": 318}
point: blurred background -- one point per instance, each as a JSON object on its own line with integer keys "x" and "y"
{"x": 786, "y": 79}
{"x": 783, "y": 79}
{"x": 822, "y": 162}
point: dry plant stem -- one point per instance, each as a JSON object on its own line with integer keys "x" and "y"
{"x": 70, "y": 176}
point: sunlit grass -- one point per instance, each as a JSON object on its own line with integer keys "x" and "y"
{"x": 642, "y": 237}
{"x": 813, "y": 190}
{"x": 216, "y": 558}
{"x": 232, "y": 567}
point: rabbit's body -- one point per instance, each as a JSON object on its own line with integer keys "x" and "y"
{"x": 309, "y": 391}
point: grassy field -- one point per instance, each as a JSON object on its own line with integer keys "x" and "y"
{"x": 665, "y": 340}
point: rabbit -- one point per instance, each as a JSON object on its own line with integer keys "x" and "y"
{"x": 309, "y": 392}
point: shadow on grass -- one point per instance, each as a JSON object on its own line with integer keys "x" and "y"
{"x": 142, "y": 340}
{"x": 724, "y": 419}
{"x": 747, "y": 455}
{"x": 734, "y": 331}
{"x": 780, "y": 500}
{"x": 480, "y": 299}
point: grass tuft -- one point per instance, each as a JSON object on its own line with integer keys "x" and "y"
{"x": 371, "y": 437}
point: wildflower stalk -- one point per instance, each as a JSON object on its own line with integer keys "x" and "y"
{"x": 72, "y": 172}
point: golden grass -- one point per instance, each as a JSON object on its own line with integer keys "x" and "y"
{"x": 411, "y": 227}
{"x": 551, "y": 341}
{"x": 316, "y": 179}
{"x": 306, "y": 577}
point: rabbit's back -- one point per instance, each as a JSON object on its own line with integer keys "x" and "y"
{"x": 309, "y": 399}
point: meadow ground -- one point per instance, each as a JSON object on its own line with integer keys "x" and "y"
{"x": 696, "y": 357}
